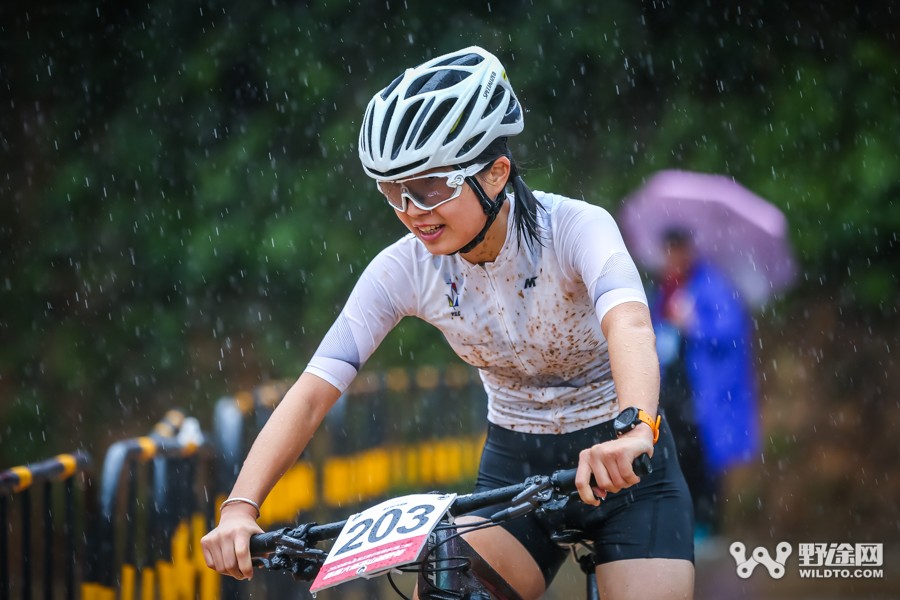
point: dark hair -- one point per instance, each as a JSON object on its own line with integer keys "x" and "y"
{"x": 678, "y": 236}
{"x": 527, "y": 206}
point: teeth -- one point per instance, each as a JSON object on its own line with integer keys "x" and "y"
{"x": 429, "y": 229}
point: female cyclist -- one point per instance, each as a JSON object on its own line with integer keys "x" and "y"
{"x": 535, "y": 290}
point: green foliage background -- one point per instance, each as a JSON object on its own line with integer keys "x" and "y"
{"x": 182, "y": 211}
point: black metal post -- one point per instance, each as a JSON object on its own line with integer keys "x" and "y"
{"x": 130, "y": 519}
{"x": 26, "y": 544}
{"x": 48, "y": 540}
{"x": 151, "y": 514}
{"x": 4, "y": 549}
{"x": 163, "y": 478}
{"x": 70, "y": 539}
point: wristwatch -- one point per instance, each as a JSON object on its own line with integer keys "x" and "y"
{"x": 633, "y": 416}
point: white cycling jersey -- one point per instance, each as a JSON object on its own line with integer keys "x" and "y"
{"x": 529, "y": 320}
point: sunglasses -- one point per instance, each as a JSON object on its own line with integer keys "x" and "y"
{"x": 428, "y": 191}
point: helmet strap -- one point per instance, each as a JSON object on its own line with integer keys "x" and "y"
{"x": 491, "y": 209}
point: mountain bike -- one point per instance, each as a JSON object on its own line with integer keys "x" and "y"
{"x": 417, "y": 533}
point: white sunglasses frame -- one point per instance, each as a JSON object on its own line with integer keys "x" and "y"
{"x": 454, "y": 179}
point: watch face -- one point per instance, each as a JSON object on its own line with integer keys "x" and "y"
{"x": 626, "y": 419}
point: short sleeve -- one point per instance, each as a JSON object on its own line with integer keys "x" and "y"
{"x": 590, "y": 246}
{"x": 381, "y": 297}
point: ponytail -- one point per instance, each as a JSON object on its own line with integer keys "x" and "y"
{"x": 526, "y": 209}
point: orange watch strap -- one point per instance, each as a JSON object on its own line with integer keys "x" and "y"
{"x": 654, "y": 424}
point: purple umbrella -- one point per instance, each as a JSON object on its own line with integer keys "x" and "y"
{"x": 731, "y": 226}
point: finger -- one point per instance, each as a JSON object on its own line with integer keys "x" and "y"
{"x": 242, "y": 552}
{"x": 229, "y": 557}
{"x": 583, "y": 480}
{"x": 626, "y": 471}
{"x": 207, "y": 557}
{"x": 602, "y": 478}
{"x": 616, "y": 480}
{"x": 207, "y": 544}
{"x": 215, "y": 553}
{"x": 622, "y": 471}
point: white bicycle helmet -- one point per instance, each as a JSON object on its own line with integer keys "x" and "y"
{"x": 443, "y": 112}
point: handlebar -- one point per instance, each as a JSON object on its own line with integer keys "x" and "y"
{"x": 306, "y": 536}
{"x": 561, "y": 481}
{"x": 262, "y": 543}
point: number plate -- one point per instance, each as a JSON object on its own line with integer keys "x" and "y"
{"x": 382, "y": 537}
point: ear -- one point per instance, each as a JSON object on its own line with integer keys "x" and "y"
{"x": 497, "y": 176}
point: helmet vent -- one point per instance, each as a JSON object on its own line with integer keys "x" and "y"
{"x": 403, "y": 127}
{"x": 473, "y": 141}
{"x": 384, "y": 127}
{"x": 367, "y": 139}
{"x": 513, "y": 111}
{"x": 433, "y": 82}
{"x": 467, "y": 60}
{"x": 464, "y": 117}
{"x": 415, "y": 128}
{"x": 435, "y": 120}
{"x": 387, "y": 91}
{"x": 496, "y": 99}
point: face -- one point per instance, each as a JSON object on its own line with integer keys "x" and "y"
{"x": 679, "y": 258}
{"x": 450, "y": 226}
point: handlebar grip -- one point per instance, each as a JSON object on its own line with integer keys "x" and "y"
{"x": 565, "y": 480}
{"x": 261, "y": 543}
{"x": 642, "y": 465}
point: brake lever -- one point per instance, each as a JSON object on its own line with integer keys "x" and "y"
{"x": 537, "y": 486}
{"x": 292, "y": 553}
{"x": 539, "y": 491}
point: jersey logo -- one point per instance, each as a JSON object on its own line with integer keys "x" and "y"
{"x": 530, "y": 282}
{"x": 453, "y": 299}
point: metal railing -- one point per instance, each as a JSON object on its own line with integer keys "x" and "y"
{"x": 141, "y": 522}
{"x": 55, "y": 517}
{"x": 155, "y": 503}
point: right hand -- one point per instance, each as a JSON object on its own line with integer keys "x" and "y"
{"x": 226, "y": 548}
{"x": 610, "y": 464}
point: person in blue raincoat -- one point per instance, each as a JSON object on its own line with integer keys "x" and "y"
{"x": 708, "y": 387}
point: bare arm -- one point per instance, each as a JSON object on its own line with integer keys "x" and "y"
{"x": 635, "y": 370}
{"x": 632, "y": 356}
{"x": 285, "y": 435}
{"x": 282, "y": 439}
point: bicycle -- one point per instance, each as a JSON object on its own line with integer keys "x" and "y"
{"x": 448, "y": 567}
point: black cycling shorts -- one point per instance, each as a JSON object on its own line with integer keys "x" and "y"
{"x": 652, "y": 519}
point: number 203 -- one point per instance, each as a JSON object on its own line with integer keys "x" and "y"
{"x": 390, "y": 520}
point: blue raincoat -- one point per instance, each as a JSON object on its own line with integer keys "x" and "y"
{"x": 717, "y": 356}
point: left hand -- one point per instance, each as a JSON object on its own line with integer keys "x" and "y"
{"x": 610, "y": 464}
